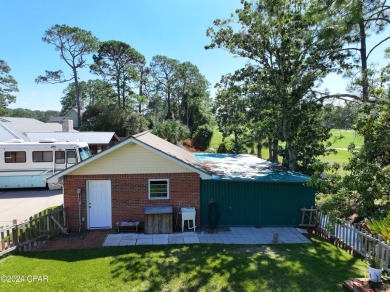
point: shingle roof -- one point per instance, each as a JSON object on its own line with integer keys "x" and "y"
{"x": 153, "y": 143}
{"x": 168, "y": 148}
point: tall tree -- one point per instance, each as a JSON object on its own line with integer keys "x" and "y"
{"x": 286, "y": 58}
{"x": 354, "y": 21}
{"x": 124, "y": 122}
{"x": 164, "y": 74}
{"x": 74, "y": 44}
{"x": 8, "y": 85}
{"x": 91, "y": 92}
{"x": 191, "y": 92}
{"x": 117, "y": 61}
{"x": 231, "y": 113}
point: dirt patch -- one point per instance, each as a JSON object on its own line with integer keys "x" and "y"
{"x": 365, "y": 285}
{"x": 75, "y": 240}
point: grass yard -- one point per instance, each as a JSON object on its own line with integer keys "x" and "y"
{"x": 340, "y": 139}
{"x": 346, "y": 138}
{"x": 288, "y": 267}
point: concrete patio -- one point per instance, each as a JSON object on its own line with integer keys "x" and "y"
{"x": 236, "y": 235}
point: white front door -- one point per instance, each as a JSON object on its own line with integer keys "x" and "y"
{"x": 99, "y": 203}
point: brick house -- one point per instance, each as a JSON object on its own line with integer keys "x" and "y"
{"x": 145, "y": 171}
{"x": 117, "y": 184}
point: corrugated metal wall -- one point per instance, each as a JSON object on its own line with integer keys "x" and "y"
{"x": 239, "y": 203}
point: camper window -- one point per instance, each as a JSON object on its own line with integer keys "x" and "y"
{"x": 71, "y": 156}
{"x": 60, "y": 157}
{"x": 15, "y": 157}
{"x": 42, "y": 156}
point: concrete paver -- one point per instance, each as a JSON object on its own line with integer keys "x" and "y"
{"x": 236, "y": 235}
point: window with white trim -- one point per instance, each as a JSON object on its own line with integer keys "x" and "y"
{"x": 158, "y": 189}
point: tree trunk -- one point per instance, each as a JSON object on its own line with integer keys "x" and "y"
{"x": 124, "y": 94}
{"x": 292, "y": 156}
{"x": 290, "y": 148}
{"x": 169, "y": 112}
{"x": 77, "y": 87}
{"x": 235, "y": 143}
{"x": 363, "y": 58}
{"x": 270, "y": 149}
{"x": 118, "y": 91}
{"x": 275, "y": 145}
{"x": 259, "y": 147}
{"x": 140, "y": 92}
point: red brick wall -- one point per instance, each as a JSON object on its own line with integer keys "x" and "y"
{"x": 129, "y": 196}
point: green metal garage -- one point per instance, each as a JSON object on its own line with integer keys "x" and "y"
{"x": 248, "y": 191}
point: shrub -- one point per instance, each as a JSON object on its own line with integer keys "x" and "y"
{"x": 202, "y": 137}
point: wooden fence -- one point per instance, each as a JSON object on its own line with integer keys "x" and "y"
{"x": 25, "y": 235}
{"x": 351, "y": 237}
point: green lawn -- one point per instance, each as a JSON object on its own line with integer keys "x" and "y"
{"x": 286, "y": 267}
{"x": 340, "y": 139}
{"x": 346, "y": 138}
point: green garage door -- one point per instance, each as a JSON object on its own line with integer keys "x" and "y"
{"x": 243, "y": 203}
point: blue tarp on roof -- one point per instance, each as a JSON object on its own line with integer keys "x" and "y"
{"x": 245, "y": 167}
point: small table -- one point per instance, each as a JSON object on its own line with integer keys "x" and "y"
{"x": 132, "y": 223}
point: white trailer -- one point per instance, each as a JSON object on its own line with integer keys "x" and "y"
{"x": 28, "y": 164}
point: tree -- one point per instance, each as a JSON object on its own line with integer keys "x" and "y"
{"x": 43, "y": 116}
{"x": 286, "y": 59}
{"x": 172, "y": 131}
{"x": 353, "y": 21}
{"x": 69, "y": 100}
{"x": 124, "y": 122}
{"x": 190, "y": 93}
{"x": 8, "y": 85}
{"x": 231, "y": 114}
{"x": 364, "y": 189}
{"x": 163, "y": 73}
{"x": 91, "y": 92}
{"x": 178, "y": 91}
{"x": 117, "y": 61}
{"x": 74, "y": 44}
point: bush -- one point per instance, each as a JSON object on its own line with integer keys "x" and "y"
{"x": 202, "y": 137}
{"x": 172, "y": 131}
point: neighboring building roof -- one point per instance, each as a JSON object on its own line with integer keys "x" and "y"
{"x": 152, "y": 143}
{"x": 245, "y": 167}
{"x": 74, "y": 110}
{"x": 17, "y": 127}
{"x": 53, "y": 119}
{"x": 89, "y": 137}
{"x": 6, "y": 134}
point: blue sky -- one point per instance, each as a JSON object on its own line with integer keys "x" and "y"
{"x": 174, "y": 28}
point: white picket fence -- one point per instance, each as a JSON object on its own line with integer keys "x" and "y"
{"x": 351, "y": 237}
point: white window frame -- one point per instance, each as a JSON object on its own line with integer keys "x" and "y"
{"x": 158, "y": 198}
